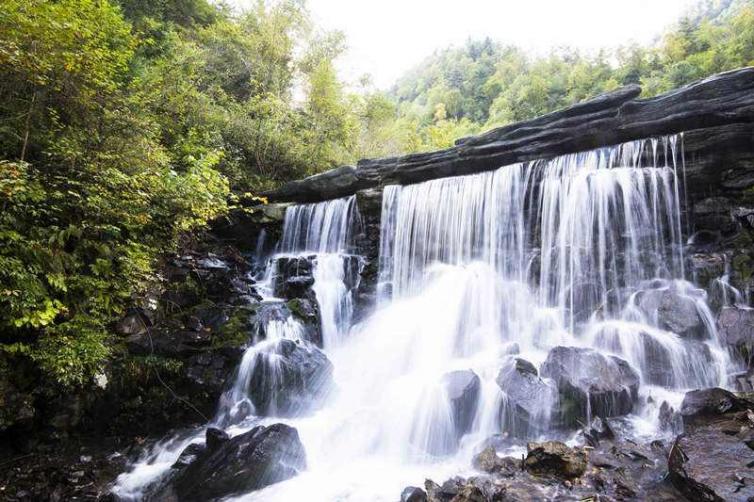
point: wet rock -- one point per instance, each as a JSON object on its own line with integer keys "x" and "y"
{"x": 488, "y": 461}
{"x": 736, "y": 327}
{"x": 707, "y": 463}
{"x": 588, "y": 380}
{"x": 462, "y": 391}
{"x": 247, "y": 462}
{"x": 598, "y": 430}
{"x": 215, "y": 438}
{"x": 702, "y": 404}
{"x": 556, "y": 459}
{"x": 529, "y": 399}
{"x": 295, "y": 287}
{"x": 413, "y": 494}
{"x": 288, "y": 377}
{"x": 307, "y": 312}
{"x": 188, "y": 455}
{"x": 670, "y": 419}
{"x": 672, "y": 311}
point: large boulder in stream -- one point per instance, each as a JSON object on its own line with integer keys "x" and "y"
{"x": 673, "y": 310}
{"x": 702, "y": 404}
{"x": 736, "y": 325}
{"x": 462, "y": 390}
{"x": 590, "y": 382}
{"x": 555, "y": 459}
{"x": 528, "y": 399}
{"x": 288, "y": 377}
{"x": 247, "y": 462}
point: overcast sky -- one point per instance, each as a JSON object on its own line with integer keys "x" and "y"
{"x": 387, "y": 37}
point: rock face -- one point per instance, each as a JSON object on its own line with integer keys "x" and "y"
{"x": 528, "y": 398}
{"x": 722, "y": 105}
{"x": 556, "y": 459}
{"x": 588, "y": 380}
{"x": 250, "y": 461}
{"x": 288, "y": 378}
{"x": 705, "y": 403}
{"x": 736, "y": 325}
{"x": 673, "y": 311}
{"x": 462, "y": 391}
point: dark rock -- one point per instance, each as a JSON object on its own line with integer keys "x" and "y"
{"x": 295, "y": 287}
{"x": 598, "y": 430}
{"x": 588, "y": 380}
{"x": 670, "y": 419}
{"x": 556, "y": 459}
{"x": 462, "y": 390}
{"x": 215, "y": 438}
{"x": 250, "y": 461}
{"x": 413, "y": 494}
{"x": 188, "y": 455}
{"x": 706, "y": 463}
{"x": 736, "y": 328}
{"x": 705, "y": 403}
{"x": 288, "y": 378}
{"x": 488, "y": 461}
{"x": 672, "y": 311}
{"x": 528, "y": 399}
{"x": 307, "y": 312}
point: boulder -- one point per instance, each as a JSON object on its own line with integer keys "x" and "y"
{"x": 701, "y": 404}
{"x": 590, "y": 384}
{"x": 488, "y": 461}
{"x": 413, "y": 494}
{"x": 215, "y": 438}
{"x": 462, "y": 390}
{"x": 308, "y": 314}
{"x": 247, "y": 462}
{"x": 288, "y": 377}
{"x": 672, "y": 311}
{"x": 528, "y": 399}
{"x": 736, "y": 329}
{"x": 555, "y": 459}
{"x": 709, "y": 462}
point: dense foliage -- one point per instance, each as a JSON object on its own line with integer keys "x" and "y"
{"x": 124, "y": 123}
{"x": 464, "y": 90}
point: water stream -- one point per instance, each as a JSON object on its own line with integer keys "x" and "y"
{"x": 477, "y": 274}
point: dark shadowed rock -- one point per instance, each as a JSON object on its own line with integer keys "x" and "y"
{"x": 413, "y": 494}
{"x": 736, "y": 325}
{"x": 588, "y": 380}
{"x": 288, "y": 377}
{"x": 250, "y": 461}
{"x": 701, "y": 404}
{"x": 462, "y": 389}
{"x": 488, "y": 461}
{"x": 528, "y": 398}
{"x": 215, "y": 438}
{"x": 672, "y": 311}
{"x": 555, "y": 459}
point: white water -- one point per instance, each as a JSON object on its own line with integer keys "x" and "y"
{"x": 473, "y": 269}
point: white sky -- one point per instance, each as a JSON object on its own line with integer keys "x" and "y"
{"x": 387, "y": 37}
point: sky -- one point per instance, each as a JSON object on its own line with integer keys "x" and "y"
{"x": 386, "y": 38}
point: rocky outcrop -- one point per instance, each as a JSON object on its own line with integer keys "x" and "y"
{"x": 590, "y": 382}
{"x": 528, "y": 399}
{"x": 716, "y": 113}
{"x": 673, "y": 311}
{"x": 556, "y": 459}
{"x": 462, "y": 391}
{"x": 736, "y": 328}
{"x": 705, "y": 403}
{"x": 247, "y": 462}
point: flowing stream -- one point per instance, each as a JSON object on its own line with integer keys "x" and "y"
{"x": 477, "y": 274}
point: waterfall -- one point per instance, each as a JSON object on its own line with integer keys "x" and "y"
{"x": 484, "y": 281}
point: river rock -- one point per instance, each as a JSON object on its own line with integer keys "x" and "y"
{"x": 413, "y": 494}
{"x": 462, "y": 390}
{"x": 736, "y": 328}
{"x": 587, "y": 379}
{"x": 488, "y": 461}
{"x": 672, "y": 311}
{"x": 711, "y": 462}
{"x": 247, "y": 462}
{"x": 556, "y": 459}
{"x": 529, "y": 399}
{"x": 288, "y": 377}
{"x": 705, "y": 403}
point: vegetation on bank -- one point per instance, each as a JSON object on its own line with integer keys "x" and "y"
{"x": 124, "y": 123}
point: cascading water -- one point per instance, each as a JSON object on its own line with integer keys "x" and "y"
{"x": 492, "y": 286}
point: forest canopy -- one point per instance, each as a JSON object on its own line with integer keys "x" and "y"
{"x": 126, "y": 123}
